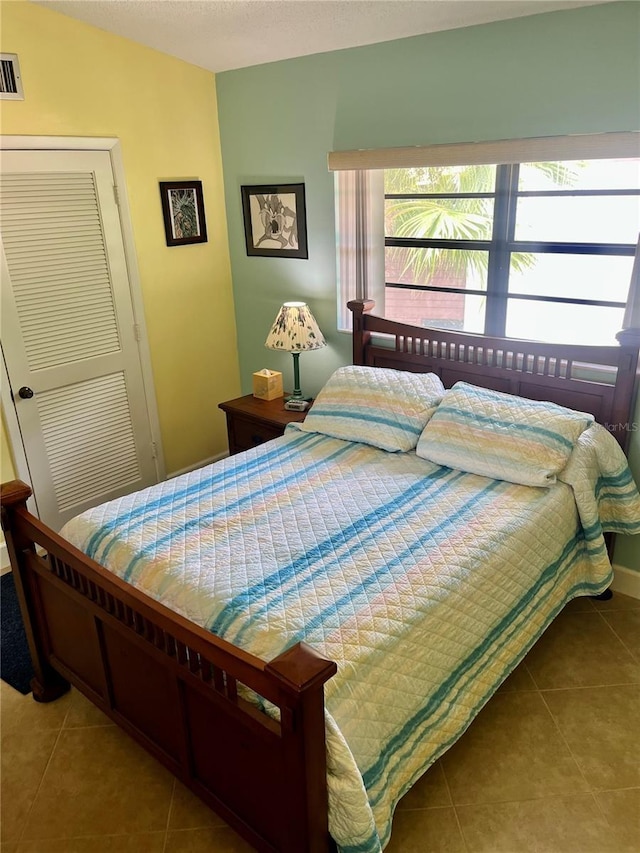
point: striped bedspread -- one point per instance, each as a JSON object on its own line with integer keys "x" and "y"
{"x": 425, "y": 584}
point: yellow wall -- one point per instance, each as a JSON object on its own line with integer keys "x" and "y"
{"x": 81, "y": 81}
{"x": 7, "y": 470}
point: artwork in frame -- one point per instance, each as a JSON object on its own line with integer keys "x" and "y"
{"x": 275, "y": 221}
{"x": 183, "y": 212}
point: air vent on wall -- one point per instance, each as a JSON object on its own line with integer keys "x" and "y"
{"x": 10, "y": 80}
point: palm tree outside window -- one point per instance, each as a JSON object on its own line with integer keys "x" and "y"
{"x": 542, "y": 251}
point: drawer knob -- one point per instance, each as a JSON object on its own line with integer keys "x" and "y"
{"x": 257, "y": 439}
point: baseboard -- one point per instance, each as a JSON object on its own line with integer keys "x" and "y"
{"x": 197, "y": 465}
{"x": 626, "y": 581}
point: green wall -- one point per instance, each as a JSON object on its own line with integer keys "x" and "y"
{"x": 575, "y": 71}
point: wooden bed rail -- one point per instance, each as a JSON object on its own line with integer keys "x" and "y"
{"x": 193, "y": 700}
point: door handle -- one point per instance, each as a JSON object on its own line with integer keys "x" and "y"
{"x": 25, "y": 392}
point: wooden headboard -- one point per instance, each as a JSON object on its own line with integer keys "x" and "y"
{"x": 539, "y": 371}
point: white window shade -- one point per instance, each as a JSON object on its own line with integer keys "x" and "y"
{"x": 579, "y": 147}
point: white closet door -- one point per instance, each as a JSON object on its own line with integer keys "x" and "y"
{"x": 68, "y": 332}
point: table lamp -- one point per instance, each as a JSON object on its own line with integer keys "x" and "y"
{"x": 295, "y": 330}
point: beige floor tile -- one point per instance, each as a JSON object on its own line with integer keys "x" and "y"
{"x": 189, "y": 812}
{"x": 579, "y": 605}
{"x": 24, "y": 758}
{"x": 220, "y": 840}
{"x": 20, "y": 713}
{"x": 600, "y": 725}
{"x": 82, "y": 712}
{"x": 148, "y": 842}
{"x": 579, "y": 650}
{"x": 432, "y": 830}
{"x": 622, "y": 810}
{"x": 626, "y": 625}
{"x": 512, "y": 751}
{"x": 430, "y": 790}
{"x": 520, "y": 679}
{"x": 99, "y": 781}
{"x": 558, "y": 825}
{"x": 618, "y": 602}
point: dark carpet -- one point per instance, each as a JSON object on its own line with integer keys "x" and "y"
{"x": 15, "y": 661}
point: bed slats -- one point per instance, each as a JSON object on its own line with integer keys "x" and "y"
{"x": 191, "y": 659}
{"x": 514, "y": 359}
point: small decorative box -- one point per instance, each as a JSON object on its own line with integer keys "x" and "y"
{"x": 267, "y": 384}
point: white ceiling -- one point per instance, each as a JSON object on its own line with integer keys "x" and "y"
{"x": 223, "y": 34}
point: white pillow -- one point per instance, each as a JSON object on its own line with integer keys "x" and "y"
{"x": 375, "y": 405}
{"x": 501, "y": 436}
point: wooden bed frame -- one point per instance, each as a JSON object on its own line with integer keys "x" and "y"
{"x": 174, "y": 686}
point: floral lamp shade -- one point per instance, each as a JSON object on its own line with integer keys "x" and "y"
{"x": 295, "y": 329}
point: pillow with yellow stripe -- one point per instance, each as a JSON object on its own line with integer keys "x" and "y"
{"x": 501, "y": 436}
{"x": 375, "y": 405}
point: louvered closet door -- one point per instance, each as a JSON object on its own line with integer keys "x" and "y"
{"x": 68, "y": 332}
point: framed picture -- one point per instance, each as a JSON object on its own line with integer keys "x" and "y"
{"x": 275, "y": 221}
{"x": 183, "y": 212}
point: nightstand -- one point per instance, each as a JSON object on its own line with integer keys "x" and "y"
{"x": 251, "y": 421}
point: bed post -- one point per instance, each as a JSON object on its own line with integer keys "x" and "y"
{"x": 359, "y": 307}
{"x": 47, "y": 684}
{"x": 302, "y": 673}
{"x": 629, "y": 338}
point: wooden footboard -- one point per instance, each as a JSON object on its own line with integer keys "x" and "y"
{"x": 177, "y": 689}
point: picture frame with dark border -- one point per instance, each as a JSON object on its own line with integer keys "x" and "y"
{"x": 275, "y": 220}
{"x": 183, "y": 212}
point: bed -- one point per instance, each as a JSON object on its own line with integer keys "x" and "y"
{"x": 266, "y": 697}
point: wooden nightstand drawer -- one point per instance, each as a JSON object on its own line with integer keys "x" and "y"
{"x": 251, "y": 422}
{"x": 248, "y": 433}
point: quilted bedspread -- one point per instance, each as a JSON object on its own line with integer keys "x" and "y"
{"x": 425, "y": 584}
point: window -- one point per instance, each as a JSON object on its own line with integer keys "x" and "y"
{"x": 534, "y": 250}
{"x": 529, "y": 238}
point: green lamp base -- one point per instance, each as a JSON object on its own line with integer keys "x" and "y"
{"x": 297, "y": 393}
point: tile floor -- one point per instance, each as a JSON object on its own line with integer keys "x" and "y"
{"x": 551, "y": 765}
